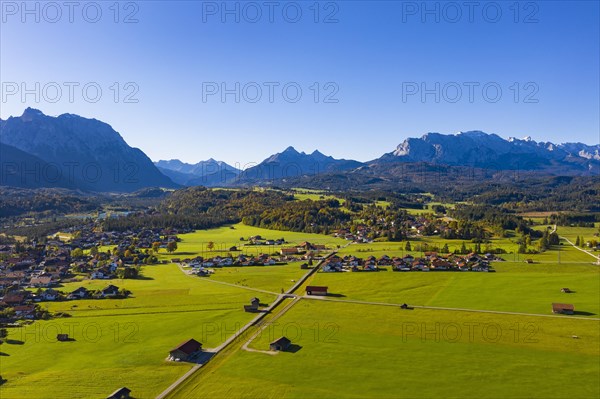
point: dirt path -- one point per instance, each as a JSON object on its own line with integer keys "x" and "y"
{"x": 253, "y": 322}
{"x": 581, "y": 249}
{"x": 265, "y": 326}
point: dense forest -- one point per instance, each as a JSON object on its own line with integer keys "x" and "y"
{"x": 308, "y": 216}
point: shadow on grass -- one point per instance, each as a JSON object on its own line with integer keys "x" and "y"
{"x": 293, "y": 348}
{"x": 336, "y": 295}
{"x": 4, "y": 354}
{"x": 142, "y": 277}
{"x": 580, "y": 313}
{"x": 14, "y": 342}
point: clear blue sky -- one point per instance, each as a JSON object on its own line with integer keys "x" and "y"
{"x": 375, "y": 54}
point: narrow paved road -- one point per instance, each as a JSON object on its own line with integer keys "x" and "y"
{"x": 277, "y": 302}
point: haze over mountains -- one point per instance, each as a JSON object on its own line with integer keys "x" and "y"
{"x": 79, "y": 153}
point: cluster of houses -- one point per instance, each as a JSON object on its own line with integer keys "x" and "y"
{"x": 259, "y": 240}
{"x": 23, "y": 302}
{"x": 40, "y": 266}
{"x": 361, "y": 235}
{"x": 430, "y": 261}
{"x": 415, "y": 226}
{"x": 305, "y": 248}
{"x": 200, "y": 264}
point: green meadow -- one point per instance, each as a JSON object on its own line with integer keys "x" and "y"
{"x": 124, "y": 342}
{"x": 340, "y": 349}
{"x": 270, "y": 278}
{"x": 347, "y": 350}
{"x": 224, "y": 238}
{"x": 515, "y": 287}
{"x": 120, "y": 342}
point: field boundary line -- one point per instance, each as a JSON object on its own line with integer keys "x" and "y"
{"x": 448, "y": 309}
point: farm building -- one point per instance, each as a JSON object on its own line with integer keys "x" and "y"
{"x": 186, "y": 350}
{"x": 280, "y": 344}
{"x": 566, "y": 290}
{"x": 121, "y": 393}
{"x": 563, "y": 308}
{"x": 316, "y": 290}
{"x": 63, "y": 337}
{"x": 253, "y": 307}
{"x": 288, "y": 251}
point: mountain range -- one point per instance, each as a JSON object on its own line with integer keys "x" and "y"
{"x": 490, "y": 151}
{"x": 203, "y": 173}
{"x": 73, "y": 152}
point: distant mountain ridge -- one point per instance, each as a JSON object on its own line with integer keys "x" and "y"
{"x": 203, "y": 173}
{"x": 292, "y": 164}
{"x": 490, "y": 151}
{"x": 87, "y": 153}
{"x": 73, "y": 152}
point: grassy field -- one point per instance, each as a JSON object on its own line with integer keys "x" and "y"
{"x": 269, "y": 278}
{"x": 515, "y": 287}
{"x": 564, "y": 253}
{"x": 395, "y": 353}
{"x": 123, "y": 342}
{"x": 120, "y": 342}
{"x": 195, "y": 243}
{"x": 343, "y": 349}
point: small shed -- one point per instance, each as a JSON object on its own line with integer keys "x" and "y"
{"x": 563, "y": 308}
{"x": 253, "y": 307}
{"x": 121, "y": 393}
{"x": 62, "y": 337}
{"x": 280, "y": 344}
{"x": 566, "y": 290}
{"x": 185, "y": 350}
{"x": 316, "y": 290}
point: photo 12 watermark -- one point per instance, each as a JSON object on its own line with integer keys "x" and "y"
{"x": 470, "y": 92}
{"x": 471, "y": 332}
{"x": 71, "y": 92}
{"x": 67, "y": 173}
{"x": 271, "y": 92}
{"x": 452, "y": 12}
{"x": 119, "y": 333}
{"x": 252, "y": 12}
{"x": 53, "y": 12}
{"x": 324, "y": 332}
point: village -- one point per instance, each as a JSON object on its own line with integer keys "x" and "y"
{"x": 30, "y": 273}
{"x": 431, "y": 261}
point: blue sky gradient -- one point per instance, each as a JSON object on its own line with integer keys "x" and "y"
{"x": 370, "y": 58}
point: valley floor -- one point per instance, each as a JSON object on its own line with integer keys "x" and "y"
{"x": 468, "y": 335}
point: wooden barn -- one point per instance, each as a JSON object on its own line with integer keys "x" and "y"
{"x": 316, "y": 290}
{"x": 280, "y": 344}
{"x": 253, "y": 307}
{"x": 185, "y": 351}
{"x": 121, "y": 393}
{"x": 63, "y": 337}
{"x": 563, "y": 308}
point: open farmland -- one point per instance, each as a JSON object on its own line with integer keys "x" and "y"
{"x": 419, "y": 352}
